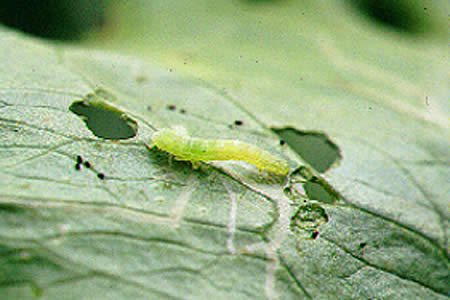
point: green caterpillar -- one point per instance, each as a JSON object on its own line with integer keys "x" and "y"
{"x": 192, "y": 149}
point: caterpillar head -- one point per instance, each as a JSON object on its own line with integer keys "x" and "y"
{"x": 278, "y": 166}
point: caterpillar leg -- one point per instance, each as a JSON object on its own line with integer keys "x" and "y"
{"x": 270, "y": 177}
{"x": 195, "y": 164}
{"x": 171, "y": 158}
{"x": 150, "y": 146}
{"x": 264, "y": 174}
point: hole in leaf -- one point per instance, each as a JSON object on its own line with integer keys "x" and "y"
{"x": 315, "y": 188}
{"x": 318, "y": 192}
{"x": 57, "y": 19}
{"x": 314, "y": 147}
{"x": 11, "y": 208}
{"x": 308, "y": 217}
{"x": 103, "y": 119}
{"x": 403, "y": 15}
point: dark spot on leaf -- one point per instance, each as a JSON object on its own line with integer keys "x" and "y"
{"x": 101, "y": 176}
{"x": 87, "y": 164}
{"x": 314, "y": 147}
{"x": 79, "y": 159}
{"x": 238, "y": 122}
{"x": 315, "y": 234}
{"x": 78, "y": 167}
{"x": 171, "y": 107}
{"x": 102, "y": 118}
{"x": 182, "y": 111}
{"x": 282, "y": 142}
{"x": 141, "y": 78}
{"x": 362, "y": 245}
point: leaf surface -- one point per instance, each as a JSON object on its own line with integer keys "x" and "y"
{"x": 157, "y": 228}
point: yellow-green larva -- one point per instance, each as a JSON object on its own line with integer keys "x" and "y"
{"x": 193, "y": 149}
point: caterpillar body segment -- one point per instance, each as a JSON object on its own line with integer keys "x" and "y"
{"x": 193, "y": 149}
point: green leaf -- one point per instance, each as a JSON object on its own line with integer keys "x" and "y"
{"x": 84, "y": 216}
